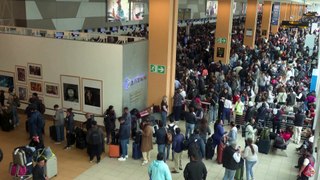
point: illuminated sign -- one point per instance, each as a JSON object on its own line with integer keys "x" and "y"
{"x": 295, "y": 24}
{"x": 128, "y": 82}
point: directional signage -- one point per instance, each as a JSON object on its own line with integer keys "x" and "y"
{"x": 222, "y": 40}
{"x": 160, "y": 69}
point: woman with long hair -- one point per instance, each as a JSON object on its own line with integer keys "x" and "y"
{"x": 164, "y": 110}
{"x": 204, "y": 129}
{"x": 250, "y": 155}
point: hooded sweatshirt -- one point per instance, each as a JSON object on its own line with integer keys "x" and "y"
{"x": 159, "y": 170}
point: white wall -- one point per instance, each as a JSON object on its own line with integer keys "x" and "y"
{"x": 84, "y": 59}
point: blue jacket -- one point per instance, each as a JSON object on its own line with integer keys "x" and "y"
{"x": 218, "y": 132}
{"x": 124, "y": 131}
{"x": 177, "y": 143}
{"x": 159, "y": 170}
{"x": 200, "y": 142}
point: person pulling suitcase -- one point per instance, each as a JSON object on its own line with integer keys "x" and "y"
{"x": 95, "y": 141}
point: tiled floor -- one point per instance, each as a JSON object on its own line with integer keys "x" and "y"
{"x": 74, "y": 164}
{"x": 272, "y": 166}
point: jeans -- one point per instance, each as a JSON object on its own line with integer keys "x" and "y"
{"x": 124, "y": 147}
{"x": 212, "y": 114}
{"x": 177, "y": 112}
{"x": 189, "y": 129}
{"x": 249, "y": 166}
{"x": 168, "y": 152}
{"x": 229, "y": 174}
{"x": 15, "y": 116}
{"x": 226, "y": 114}
{"x": 162, "y": 149}
{"x": 60, "y": 133}
{"x": 164, "y": 117}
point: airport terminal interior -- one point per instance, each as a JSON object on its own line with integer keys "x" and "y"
{"x": 202, "y": 64}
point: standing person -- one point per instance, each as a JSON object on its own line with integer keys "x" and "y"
{"x": 177, "y": 150}
{"x": 158, "y": 169}
{"x": 218, "y": 134}
{"x": 38, "y": 170}
{"x": 231, "y": 158}
{"x": 14, "y": 103}
{"x": 124, "y": 135}
{"x": 239, "y": 108}
{"x": 126, "y": 116}
{"x": 262, "y": 114}
{"x": 227, "y": 108}
{"x": 178, "y": 101}
{"x": 171, "y": 128}
{"x": 251, "y": 157}
{"x": 36, "y": 123}
{"x": 164, "y": 110}
{"x": 232, "y": 135}
{"x": 69, "y": 123}
{"x": 59, "y": 122}
{"x": 204, "y": 129}
{"x": 196, "y": 143}
{"x": 109, "y": 122}
{"x": 213, "y": 108}
{"x": 95, "y": 142}
{"x": 190, "y": 121}
{"x": 250, "y": 131}
{"x": 308, "y": 161}
{"x": 251, "y": 112}
{"x": 146, "y": 142}
{"x": 195, "y": 169}
{"x": 89, "y": 120}
{"x": 298, "y": 123}
{"x": 277, "y": 118}
{"x": 161, "y": 136}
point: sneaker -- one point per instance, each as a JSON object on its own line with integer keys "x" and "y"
{"x": 126, "y": 156}
{"x": 144, "y": 163}
{"x": 121, "y": 159}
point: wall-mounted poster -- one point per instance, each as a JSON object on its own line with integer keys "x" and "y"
{"x": 117, "y": 10}
{"x": 52, "y": 89}
{"x": 35, "y": 86}
{"x": 70, "y": 92}
{"x": 137, "y": 11}
{"x": 34, "y": 70}
{"x": 22, "y": 93}
{"x": 92, "y": 95}
{"x": 211, "y": 8}
{"x": 6, "y": 80}
{"x": 220, "y": 52}
{"x": 21, "y": 74}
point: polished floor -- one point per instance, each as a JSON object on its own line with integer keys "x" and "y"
{"x": 74, "y": 163}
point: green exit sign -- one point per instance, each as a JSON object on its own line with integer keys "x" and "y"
{"x": 160, "y": 69}
{"x": 221, "y": 40}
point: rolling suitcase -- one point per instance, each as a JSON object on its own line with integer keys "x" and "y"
{"x": 114, "y": 151}
{"x": 80, "y": 138}
{"x": 53, "y": 133}
{"x": 263, "y": 146}
{"x": 209, "y": 149}
{"x": 51, "y": 167}
{"x": 220, "y": 152}
{"x": 136, "y": 151}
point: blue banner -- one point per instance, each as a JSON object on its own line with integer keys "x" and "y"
{"x": 275, "y": 13}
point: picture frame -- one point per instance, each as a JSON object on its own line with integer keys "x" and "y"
{"x": 70, "y": 92}
{"x": 35, "y": 70}
{"x": 22, "y": 93}
{"x": 6, "y": 80}
{"x": 21, "y": 74}
{"x": 52, "y": 89}
{"x": 35, "y": 86}
{"x": 92, "y": 96}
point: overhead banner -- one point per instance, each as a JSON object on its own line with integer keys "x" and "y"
{"x": 275, "y": 13}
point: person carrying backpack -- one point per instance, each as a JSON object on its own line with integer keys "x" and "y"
{"x": 171, "y": 128}
{"x": 95, "y": 142}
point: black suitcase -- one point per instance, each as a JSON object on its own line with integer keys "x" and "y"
{"x": 263, "y": 146}
{"x": 6, "y": 121}
{"x": 53, "y": 133}
{"x": 80, "y": 138}
{"x": 136, "y": 151}
{"x": 209, "y": 149}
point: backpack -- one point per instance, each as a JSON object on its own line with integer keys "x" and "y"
{"x": 265, "y": 134}
{"x": 95, "y": 137}
{"x": 170, "y": 134}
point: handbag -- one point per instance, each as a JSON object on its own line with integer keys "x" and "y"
{"x": 309, "y": 170}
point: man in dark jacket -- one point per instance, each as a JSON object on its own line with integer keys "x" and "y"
{"x": 298, "y": 123}
{"x": 69, "y": 123}
{"x": 230, "y": 159}
{"x": 195, "y": 169}
{"x": 124, "y": 135}
{"x": 89, "y": 121}
{"x": 251, "y": 112}
{"x": 38, "y": 170}
{"x": 95, "y": 142}
{"x": 161, "y": 139}
{"x": 190, "y": 121}
{"x": 177, "y": 150}
{"x": 197, "y": 143}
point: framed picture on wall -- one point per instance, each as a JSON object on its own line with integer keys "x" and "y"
{"x": 52, "y": 89}
{"x": 70, "y": 92}
{"x": 35, "y": 86}
{"x": 6, "y": 80}
{"x": 22, "y": 93}
{"x": 92, "y": 96}
{"x": 34, "y": 70}
{"x": 21, "y": 74}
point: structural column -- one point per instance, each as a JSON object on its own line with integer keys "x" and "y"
{"x": 223, "y": 31}
{"x": 251, "y": 23}
{"x": 163, "y": 18}
{"x": 266, "y": 19}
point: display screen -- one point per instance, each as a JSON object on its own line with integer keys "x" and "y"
{"x": 119, "y": 10}
{"x": 137, "y": 11}
{"x": 59, "y": 35}
{"x": 212, "y": 8}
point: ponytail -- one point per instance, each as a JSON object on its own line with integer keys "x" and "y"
{"x": 250, "y": 141}
{"x": 251, "y": 147}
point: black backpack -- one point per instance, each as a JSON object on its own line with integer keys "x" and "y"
{"x": 95, "y": 137}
